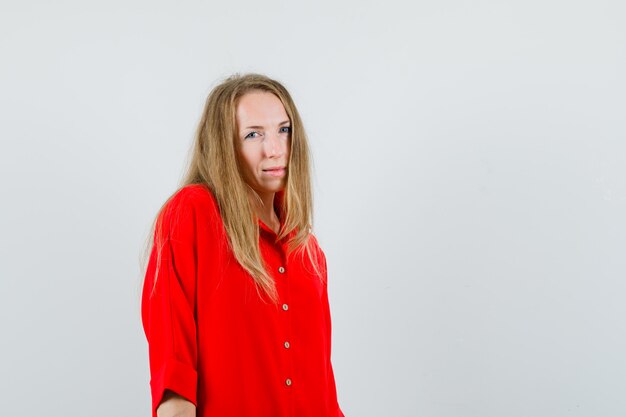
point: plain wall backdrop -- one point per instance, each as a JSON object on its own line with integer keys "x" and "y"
{"x": 470, "y": 193}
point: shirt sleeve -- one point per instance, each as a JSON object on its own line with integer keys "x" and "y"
{"x": 330, "y": 372}
{"x": 168, "y": 304}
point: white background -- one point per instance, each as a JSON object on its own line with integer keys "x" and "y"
{"x": 470, "y": 179}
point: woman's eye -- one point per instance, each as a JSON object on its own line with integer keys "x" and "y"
{"x": 285, "y": 129}
{"x": 250, "y": 135}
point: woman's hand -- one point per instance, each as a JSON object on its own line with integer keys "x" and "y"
{"x": 174, "y": 405}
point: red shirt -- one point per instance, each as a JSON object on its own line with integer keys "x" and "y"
{"x": 212, "y": 339}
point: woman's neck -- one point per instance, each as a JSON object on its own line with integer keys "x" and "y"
{"x": 267, "y": 213}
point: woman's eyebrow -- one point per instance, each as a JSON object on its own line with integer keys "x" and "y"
{"x": 261, "y": 127}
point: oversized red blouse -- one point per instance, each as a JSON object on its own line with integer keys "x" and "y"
{"x": 212, "y": 340}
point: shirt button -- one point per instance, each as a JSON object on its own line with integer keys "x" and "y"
{"x": 287, "y": 345}
{"x": 281, "y": 270}
{"x": 288, "y": 382}
{"x": 285, "y": 307}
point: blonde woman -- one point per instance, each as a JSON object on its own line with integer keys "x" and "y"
{"x": 235, "y": 301}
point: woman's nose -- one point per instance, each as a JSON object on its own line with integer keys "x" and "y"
{"x": 273, "y": 145}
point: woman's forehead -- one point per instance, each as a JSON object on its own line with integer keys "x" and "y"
{"x": 259, "y": 108}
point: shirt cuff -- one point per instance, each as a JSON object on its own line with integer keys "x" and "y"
{"x": 175, "y": 376}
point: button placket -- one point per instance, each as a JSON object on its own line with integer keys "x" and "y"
{"x": 286, "y": 344}
{"x": 282, "y": 285}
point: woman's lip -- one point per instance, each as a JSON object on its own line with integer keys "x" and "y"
{"x": 276, "y": 172}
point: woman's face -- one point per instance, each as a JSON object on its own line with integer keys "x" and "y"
{"x": 264, "y": 133}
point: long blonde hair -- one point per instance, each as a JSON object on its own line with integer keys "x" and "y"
{"x": 214, "y": 163}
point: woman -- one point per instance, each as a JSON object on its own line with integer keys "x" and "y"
{"x": 235, "y": 302}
